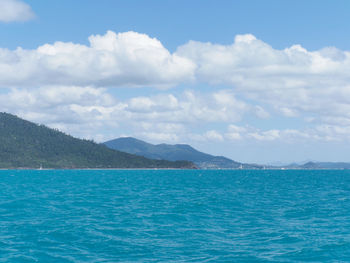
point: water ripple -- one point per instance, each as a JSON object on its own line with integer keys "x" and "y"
{"x": 174, "y": 216}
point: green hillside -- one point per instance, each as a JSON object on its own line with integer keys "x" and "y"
{"x": 24, "y": 144}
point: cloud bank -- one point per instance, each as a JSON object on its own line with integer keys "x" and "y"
{"x": 15, "y": 10}
{"x": 85, "y": 111}
{"x": 166, "y": 117}
{"x": 67, "y": 86}
{"x": 294, "y": 80}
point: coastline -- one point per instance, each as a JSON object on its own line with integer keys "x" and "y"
{"x": 167, "y": 169}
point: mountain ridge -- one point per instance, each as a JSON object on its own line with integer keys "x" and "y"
{"x": 175, "y": 152}
{"x": 24, "y": 144}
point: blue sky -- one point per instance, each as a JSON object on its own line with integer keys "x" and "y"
{"x": 314, "y": 24}
{"x": 257, "y": 81}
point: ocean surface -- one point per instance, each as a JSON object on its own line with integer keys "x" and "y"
{"x": 174, "y": 216}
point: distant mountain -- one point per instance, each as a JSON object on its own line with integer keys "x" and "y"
{"x": 24, "y": 144}
{"x": 174, "y": 153}
{"x": 325, "y": 165}
{"x": 312, "y": 165}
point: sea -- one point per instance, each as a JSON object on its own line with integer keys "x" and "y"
{"x": 174, "y": 216}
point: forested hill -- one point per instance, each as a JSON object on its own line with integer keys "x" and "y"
{"x": 24, "y": 144}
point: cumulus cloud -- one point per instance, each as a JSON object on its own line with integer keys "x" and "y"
{"x": 189, "y": 117}
{"x": 65, "y": 86}
{"x": 15, "y": 10}
{"x": 91, "y": 112}
{"x": 189, "y": 107}
{"x": 294, "y": 81}
{"x": 318, "y": 133}
{"x": 123, "y": 59}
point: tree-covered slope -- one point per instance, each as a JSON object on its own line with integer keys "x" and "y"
{"x": 28, "y": 145}
{"x": 174, "y": 153}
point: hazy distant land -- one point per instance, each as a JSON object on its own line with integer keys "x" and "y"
{"x": 203, "y": 160}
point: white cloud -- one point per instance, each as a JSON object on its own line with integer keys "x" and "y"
{"x": 235, "y": 132}
{"x": 90, "y": 112}
{"x": 59, "y": 107}
{"x": 294, "y": 81}
{"x": 213, "y": 135}
{"x": 261, "y": 113}
{"x": 190, "y": 107}
{"x": 64, "y": 85}
{"x": 269, "y": 135}
{"x": 249, "y": 133}
{"x": 190, "y": 117}
{"x": 15, "y": 10}
{"x": 123, "y": 59}
{"x": 320, "y": 133}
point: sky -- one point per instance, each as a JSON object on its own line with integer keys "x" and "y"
{"x": 256, "y": 81}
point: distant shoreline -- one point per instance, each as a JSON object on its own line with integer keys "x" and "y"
{"x": 167, "y": 169}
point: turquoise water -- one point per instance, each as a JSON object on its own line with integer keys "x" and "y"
{"x": 174, "y": 216}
